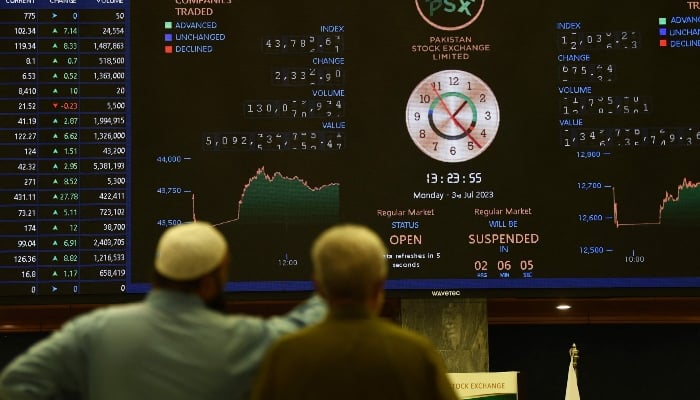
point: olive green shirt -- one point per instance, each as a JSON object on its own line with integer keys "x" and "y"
{"x": 353, "y": 355}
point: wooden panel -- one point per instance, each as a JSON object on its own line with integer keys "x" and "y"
{"x": 656, "y": 310}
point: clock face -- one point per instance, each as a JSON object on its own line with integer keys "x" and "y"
{"x": 452, "y": 116}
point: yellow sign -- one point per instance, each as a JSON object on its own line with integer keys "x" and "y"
{"x": 485, "y": 385}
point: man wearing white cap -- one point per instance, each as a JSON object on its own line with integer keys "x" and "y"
{"x": 169, "y": 346}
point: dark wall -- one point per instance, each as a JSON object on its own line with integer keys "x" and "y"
{"x": 616, "y": 361}
{"x": 641, "y": 362}
{"x": 11, "y": 344}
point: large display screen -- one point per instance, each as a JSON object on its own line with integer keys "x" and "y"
{"x": 528, "y": 147}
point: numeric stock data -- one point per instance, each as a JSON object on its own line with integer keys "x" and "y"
{"x": 527, "y": 148}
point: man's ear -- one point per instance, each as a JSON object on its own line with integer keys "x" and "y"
{"x": 377, "y": 298}
{"x": 319, "y": 288}
{"x": 210, "y": 285}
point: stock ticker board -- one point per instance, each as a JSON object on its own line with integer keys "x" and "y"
{"x": 497, "y": 147}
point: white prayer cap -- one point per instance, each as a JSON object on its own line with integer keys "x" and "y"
{"x": 189, "y": 251}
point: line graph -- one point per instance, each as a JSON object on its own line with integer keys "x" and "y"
{"x": 673, "y": 209}
{"x": 276, "y": 198}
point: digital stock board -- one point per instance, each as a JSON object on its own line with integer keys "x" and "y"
{"x": 497, "y": 146}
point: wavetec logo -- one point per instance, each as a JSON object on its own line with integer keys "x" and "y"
{"x": 446, "y": 293}
{"x": 450, "y": 15}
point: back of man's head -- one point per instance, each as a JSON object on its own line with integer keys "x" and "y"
{"x": 349, "y": 262}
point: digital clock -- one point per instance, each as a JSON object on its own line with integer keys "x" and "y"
{"x": 453, "y": 178}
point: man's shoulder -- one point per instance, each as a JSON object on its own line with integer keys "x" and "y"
{"x": 379, "y": 327}
{"x": 108, "y": 312}
{"x": 402, "y": 336}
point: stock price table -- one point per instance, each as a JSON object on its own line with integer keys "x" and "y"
{"x": 63, "y": 148}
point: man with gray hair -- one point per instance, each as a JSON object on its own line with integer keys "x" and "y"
{"x": 169, "y": 346}
{"x": 352, "y": 354}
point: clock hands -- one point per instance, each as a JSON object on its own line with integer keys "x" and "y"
{"x": 465, "y": 131}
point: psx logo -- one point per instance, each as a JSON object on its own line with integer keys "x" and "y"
{"x": 450, "y": 6}
{"x": 449, "y": 15}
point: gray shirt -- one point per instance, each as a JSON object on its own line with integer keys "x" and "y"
{"x": 170, "y": 346}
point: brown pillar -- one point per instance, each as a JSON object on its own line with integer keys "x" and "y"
{"x": 457, "y": 327}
